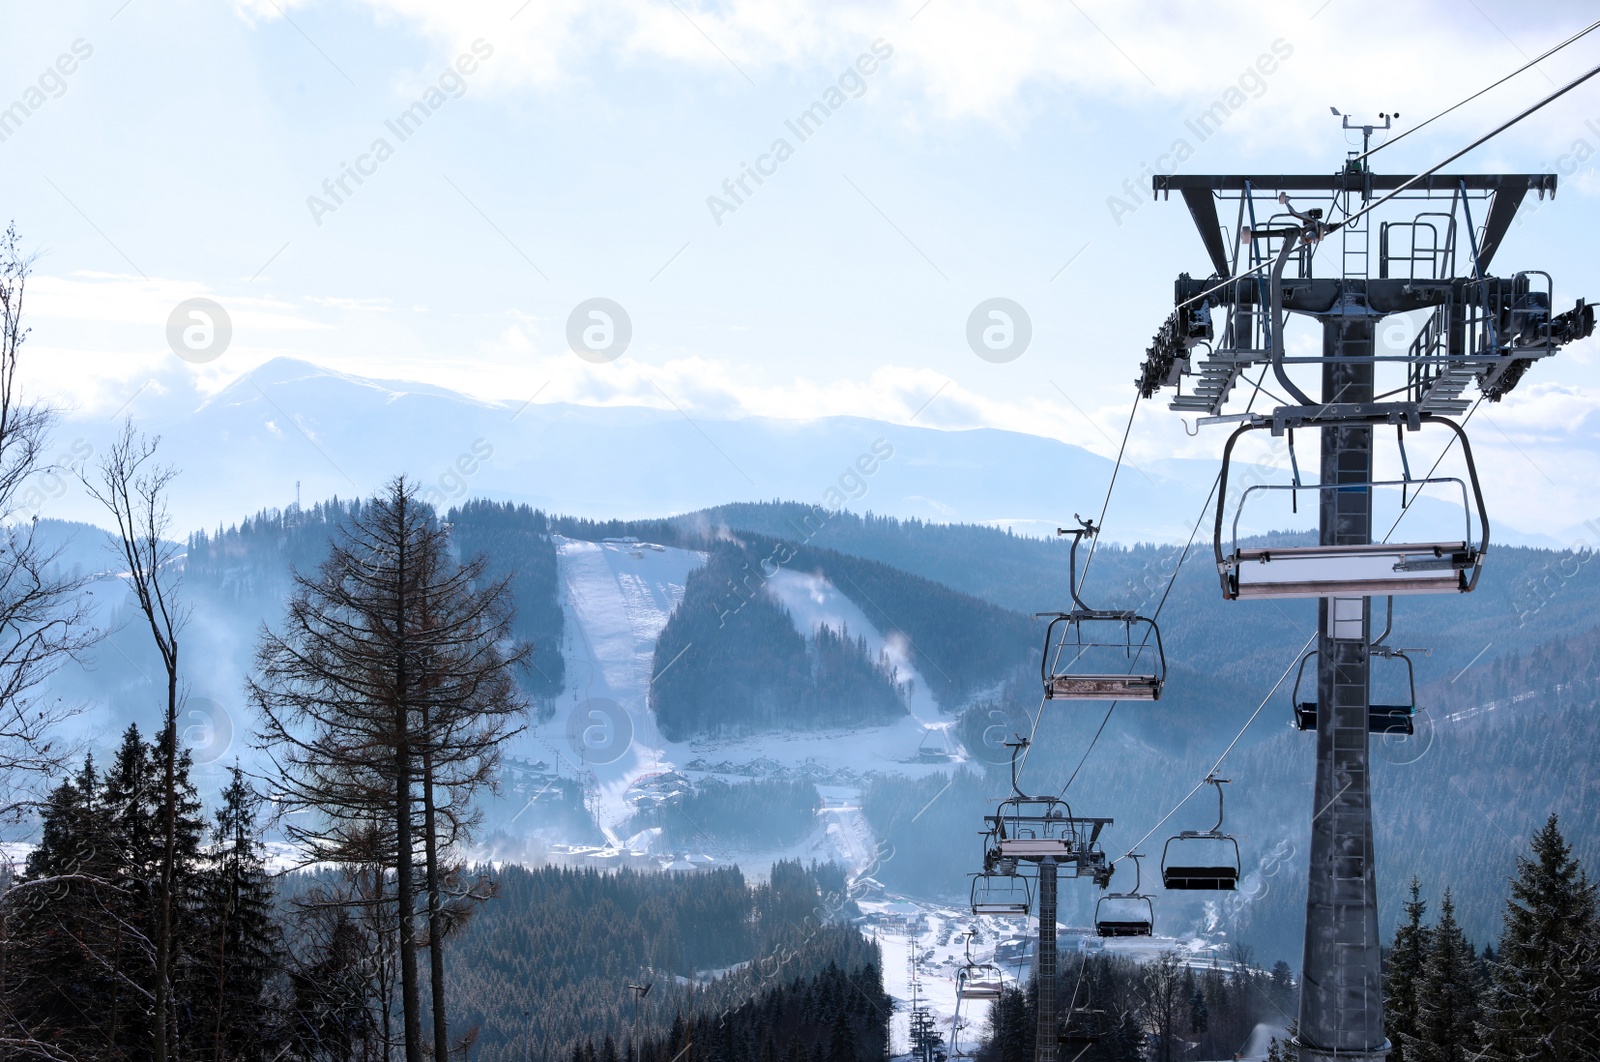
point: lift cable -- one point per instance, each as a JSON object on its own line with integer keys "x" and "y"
{"x": 1111, "y": 486}
{"x": 1104, "y": 506}
{"x": 1218, "y": 765}
{"x": 1484, "y": 139}
{"x": 1535, "y": 61}
{"x": 1171, "y": 582}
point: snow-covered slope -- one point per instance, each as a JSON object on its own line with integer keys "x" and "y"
{"x": 616, "y": 597}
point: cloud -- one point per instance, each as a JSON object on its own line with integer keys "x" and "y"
{"x": 981, "y": 58}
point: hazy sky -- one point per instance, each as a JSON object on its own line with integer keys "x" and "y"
{"x": 565, "y": 151}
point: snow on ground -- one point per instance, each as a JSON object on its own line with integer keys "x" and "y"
{"x": 814, "y": 601}
{"x": 616, "y": 597}
{"x": 939, "y": 932}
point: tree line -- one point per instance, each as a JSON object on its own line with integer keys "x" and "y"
{"x": 1111, "y": 1009}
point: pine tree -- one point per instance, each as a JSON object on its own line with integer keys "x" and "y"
{"x": 1446, "y": 995}
{"x": 1544, "y": 999}
{"x": 1401, "y": 974}
{"x": 239, "y": 947}
{"x": 85, "y": 933}
{"x": 385, "y": 698}
{"x": 55, "y": 921}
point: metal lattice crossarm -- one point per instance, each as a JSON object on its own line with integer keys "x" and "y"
{"x": 1481, "y": 328}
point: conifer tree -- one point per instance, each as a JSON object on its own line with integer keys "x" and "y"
{"x": 386, "y": 696}
{"x": 1544, "y": 999}
{"x": 1401, "y": 974}
{"x": 1446, "y": 995}
{"x": 239, "y": 948}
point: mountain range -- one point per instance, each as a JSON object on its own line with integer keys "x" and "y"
{"x": 291, "y": 430}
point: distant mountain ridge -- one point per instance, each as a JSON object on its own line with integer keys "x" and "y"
{"x": 291, "y": 429}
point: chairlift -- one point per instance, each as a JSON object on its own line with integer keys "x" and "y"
{"x": 1381, "y": 718}
{"x": 1074, "y": 666}
{"x": 1367, "y": 570}
{"x": 997, "y": 893}
{"x": 1125, "y": 914}
{"x": 1202, "y": 860}
{"x": 977, "y": 980}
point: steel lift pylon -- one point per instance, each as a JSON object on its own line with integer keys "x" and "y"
{"x": 1483, "y": 330}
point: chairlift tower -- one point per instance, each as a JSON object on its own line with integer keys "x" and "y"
{"x": 1435, "y": 245}
{"x": 1039, "y": 836}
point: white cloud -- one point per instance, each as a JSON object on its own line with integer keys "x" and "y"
{"x": 979, "y": 58}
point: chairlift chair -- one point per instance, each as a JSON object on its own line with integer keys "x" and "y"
{"x": 1368, "y": 570}
{"x": 1125, "y": 914}
{"x": 1202, "y": 861}
{"x": 977, "y": 980}
{"x": 1007, "y": 895}
{"x": 1072, "y": 667}
{"x": 1381, "y": 718}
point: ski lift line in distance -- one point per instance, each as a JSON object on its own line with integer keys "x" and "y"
{"x": 1125, "y": 914}
{"x": 1375, "y": 569}
{"x": 1207, "y": 861}
{"x": 1078, "y": 631}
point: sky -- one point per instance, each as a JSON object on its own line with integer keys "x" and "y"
{"x": 271, "y": 156}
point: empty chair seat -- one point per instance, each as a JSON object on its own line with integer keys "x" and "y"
{"x": 1103, "y": 688}
{"x": 1371, "y": 570}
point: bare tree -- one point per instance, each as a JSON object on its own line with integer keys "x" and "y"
{"x": 43, "y": 618}
{"x": 133, "y": 489}
{"x": 1159, "y": 990}
{"x": 388, "y": 688}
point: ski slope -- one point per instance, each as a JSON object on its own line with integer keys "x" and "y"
{"x": 616, "y": 597}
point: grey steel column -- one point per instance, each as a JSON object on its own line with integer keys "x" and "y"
{"x": 1341, "y": 992}
{"x": 1046, "y": 1038}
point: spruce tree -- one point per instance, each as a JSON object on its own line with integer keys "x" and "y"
{"x": 239, "y": 949}
{"x": 1446, "y": 995}
{"x": 1544, "y": 998}
{"x": 55, "y": 923}
{"x": 1401, "y": 974}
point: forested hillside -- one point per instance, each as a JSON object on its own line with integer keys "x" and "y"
{"x": 545, "y": 964}
{"x": 515, "y": 543}
{"x": 838, "y": 1015}
{"x": 730, "y": 661}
